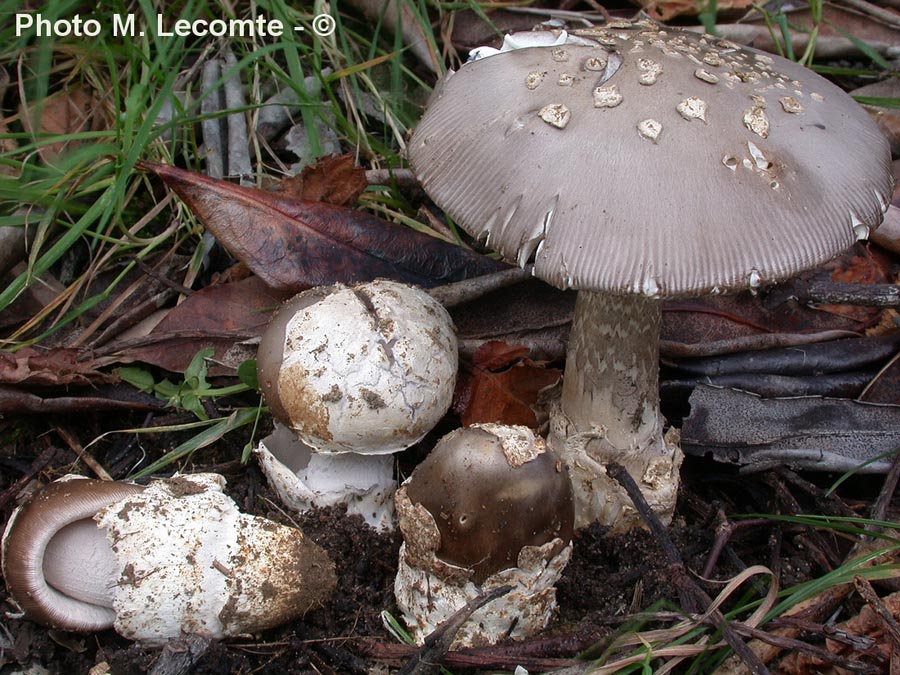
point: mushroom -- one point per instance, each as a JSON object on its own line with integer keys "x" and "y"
{"x": 303, "y": 478}
{"x": 490, "y": 506}
{"x": 357, "y": 373}
{"x": 176, "y": 556}
{"x": 636, "y": 163}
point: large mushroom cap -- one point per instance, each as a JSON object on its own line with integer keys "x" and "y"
{"x": 652, "y": 161}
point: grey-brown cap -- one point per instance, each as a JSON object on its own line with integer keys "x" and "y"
{"x": 652, "y": 161}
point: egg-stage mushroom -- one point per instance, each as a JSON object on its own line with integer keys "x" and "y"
{"x": 490, "y": 506}
{"x": 153, "y": 563}
{"x": 358, "y": 372}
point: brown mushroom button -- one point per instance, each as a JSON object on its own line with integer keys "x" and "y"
{"x": 488, "y": 503}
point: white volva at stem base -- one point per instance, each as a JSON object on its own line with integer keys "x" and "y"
{"x": 609, "y": 411}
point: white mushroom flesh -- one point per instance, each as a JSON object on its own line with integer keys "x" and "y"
{"x": 304, "y": 479}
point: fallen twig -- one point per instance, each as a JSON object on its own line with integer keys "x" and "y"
{"x": 211, "y": 124}
{"x": 428, "y": 659}
{"x": 888, "y": 622}
{"x": 239, "y": 164}
{"x": 86, "y": 457}
{"x": 459, "y": 292}
{"x": 835, "y": 293}
{"x": 15, "y": 400}
{"x": 821, "y": 606}
{"x": 481, "y": 658}
{"x": 826, "y": 502}
{"x": 725, "y": 530}
{"x": 799, "y": 646}
{"x": 827, "y": 46}
{"x": 875, "y": 12}
{"x": 693, "y": 598}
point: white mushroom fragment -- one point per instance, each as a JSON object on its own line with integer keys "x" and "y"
{"x": 303, "y": 478}
{"x": 357, "y": 372}
{"x": 490, "y": 506}
{"x": 174, "y": 557}
{"x": 630, "y": 209}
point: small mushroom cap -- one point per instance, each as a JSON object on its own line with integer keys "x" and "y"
{"x": 492, "y": 490}
{"x": 652, "y": 161}
{"x": 369, "y": 368}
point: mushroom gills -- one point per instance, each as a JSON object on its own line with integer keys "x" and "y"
{"x": 80, "y": 563}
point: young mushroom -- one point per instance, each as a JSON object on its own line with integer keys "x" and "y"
{"x": 636, "y": 163}
{"x": 153, "y": 563}
{"x": 357, "y": 373}
{"x": 490, "y": 506}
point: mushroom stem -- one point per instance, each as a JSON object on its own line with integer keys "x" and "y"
{"x": 609, "y": 411}
{"x": 612, "y": 368}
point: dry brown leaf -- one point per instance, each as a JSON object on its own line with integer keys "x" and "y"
{"x": 664, "y": 10}
{"x": 52, "y": 367}
{"x": 506, "y": 396}
{"x": 774, "y": 310}
{"x": 67, "y": 112}
{"x": 497, "y": 354}
{"x": 333, "y": 180}
{"x": 866, "y": 623}
{"x": 220, "y": 316}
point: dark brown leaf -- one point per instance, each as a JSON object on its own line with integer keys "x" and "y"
{"x": 333, "y": 180}
{"x": 834, "y": 356}
{"x": 810, "y": 432}
{"x": 218, "y": 316}
{"x": 291, "y": 244}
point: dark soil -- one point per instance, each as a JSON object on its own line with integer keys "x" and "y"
{"x": 610, "y": 576}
